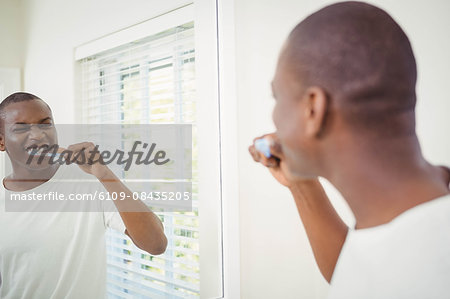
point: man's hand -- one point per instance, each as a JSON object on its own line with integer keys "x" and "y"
{"x": 88, "y": 158}
{"x": 275, "y": 163}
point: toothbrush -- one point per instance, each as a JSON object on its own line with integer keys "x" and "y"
{"x": 56, "y": 155}
{"x": 49, "y": 155}
{"x": 263, "y": 146}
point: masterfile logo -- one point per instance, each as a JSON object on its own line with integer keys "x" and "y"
{"x": 153, "y": 161}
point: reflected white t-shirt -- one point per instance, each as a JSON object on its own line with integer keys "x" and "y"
{"x": 406, "y": 258}
{"x": 54, "y": 254}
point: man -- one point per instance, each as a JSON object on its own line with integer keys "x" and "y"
{"x": 59, "y": 254}
{"x": 345, "y": 95}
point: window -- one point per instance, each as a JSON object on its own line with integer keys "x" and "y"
{"x": 150, "y": 80}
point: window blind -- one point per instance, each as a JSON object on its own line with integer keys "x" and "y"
{"x": 148, "y": 81}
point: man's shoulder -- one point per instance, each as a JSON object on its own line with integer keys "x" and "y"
{"x": 432, "y": 214}
{"x": 425, "y": 218}
{"x": 420, "y": 232}
{"x": 411, "y": 250}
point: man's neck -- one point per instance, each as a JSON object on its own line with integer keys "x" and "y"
{"x": 22, "y": 179}
{"x": 379, "y": 187}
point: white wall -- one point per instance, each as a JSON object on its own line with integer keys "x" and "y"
{"x": 54, "y": 28}
{"x": 276, "y": 261}
{"x": 11, "y": 33}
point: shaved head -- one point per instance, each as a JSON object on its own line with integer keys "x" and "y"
{"x": 362, "y": 59}
{"x": 17, "y": 97}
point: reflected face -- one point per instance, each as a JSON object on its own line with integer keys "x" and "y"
{"x": 289, "y": 116}
{"x": 27, "y": 125}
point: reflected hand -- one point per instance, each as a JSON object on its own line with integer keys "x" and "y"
{"x": 88, "y": 158}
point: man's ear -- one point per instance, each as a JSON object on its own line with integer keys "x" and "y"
{"x": 2, "y": 143}
{"x": 316, "y": 105}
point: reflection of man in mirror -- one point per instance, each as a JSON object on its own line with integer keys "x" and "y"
{"x": 58, "y": 254}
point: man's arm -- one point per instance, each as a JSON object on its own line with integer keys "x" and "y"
{"x": 142, "y": 225}
{"x": 325, "y": 229}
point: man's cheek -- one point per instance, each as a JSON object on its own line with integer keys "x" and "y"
{"x": 12, "y": 143}
{"x": 279, "y": 117}
{"x": 275, "y": 116}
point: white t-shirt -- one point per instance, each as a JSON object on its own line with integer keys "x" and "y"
{"x": 54, "y": 254}
{"x": 406, "y": 258}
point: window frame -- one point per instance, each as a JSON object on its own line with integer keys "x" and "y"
{"x": 219, "y": 219}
